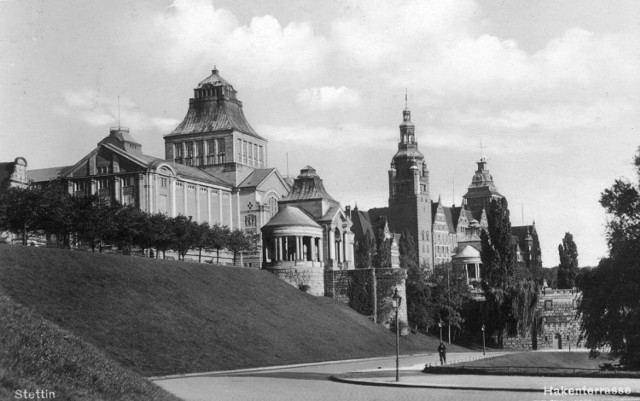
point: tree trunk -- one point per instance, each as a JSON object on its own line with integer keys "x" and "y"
{"x": 200, "y": 255}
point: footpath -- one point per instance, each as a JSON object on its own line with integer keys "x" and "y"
{"x": 412, "y": 376}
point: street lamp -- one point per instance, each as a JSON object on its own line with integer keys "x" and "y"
{"x": 397, "y": 300}
{"x": 483, "y": 346}
{"x": 440, "y": 326}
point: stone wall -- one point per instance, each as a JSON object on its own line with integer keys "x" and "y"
{"x": 560, "y": 327}
{"x": 301, "y": 277}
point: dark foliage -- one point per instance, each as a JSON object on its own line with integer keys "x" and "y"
{"x": 610, "y": 306}
{"x": 568, "y": 269}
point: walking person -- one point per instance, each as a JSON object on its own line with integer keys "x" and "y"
{"x": 442, "y": 351}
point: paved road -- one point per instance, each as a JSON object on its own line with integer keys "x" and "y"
{"x": 310, "y": 383}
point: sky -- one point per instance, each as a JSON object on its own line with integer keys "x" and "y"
{"x": 547, "y": 91}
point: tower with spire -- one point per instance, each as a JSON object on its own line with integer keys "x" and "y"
{"x": 409, "y": 201}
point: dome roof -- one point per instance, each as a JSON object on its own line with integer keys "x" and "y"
{"x": 291, "y": 216}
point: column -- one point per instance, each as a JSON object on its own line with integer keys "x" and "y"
{"x": 320, "y": 250}
{"x": 173, "y": 197}
{"x": 197, "y": 216}
{"x": 332, "y": 244}
{"x": 265, "y": 247}
{"x": 220, "y": 207}
{"x": 209, "y": 206}
{"x": 285, "y": 240}
{"x": 314, "y": 250}
{"x": 278, "y": 249}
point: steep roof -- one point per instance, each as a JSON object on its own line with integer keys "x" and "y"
{"x": 361, "y": 224}
{"x": 218, "y": 111}
{"x": 291, "y": 216}
{"x": 308, "y": 185}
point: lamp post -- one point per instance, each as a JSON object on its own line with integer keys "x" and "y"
{"x": 440, "y": 326}
{"x": 483, "y": 346}
{"x": 397, "y": 300}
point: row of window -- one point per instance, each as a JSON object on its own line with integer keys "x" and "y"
{"x": 250, "y": 153}
{"x": 198, "y": 153}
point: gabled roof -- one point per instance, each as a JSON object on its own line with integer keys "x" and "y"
{"x": 361, "y": 224}
{"x": 256, "y": 177}
{"x": 467, "y": 251}
{"x": 291, "y": 216}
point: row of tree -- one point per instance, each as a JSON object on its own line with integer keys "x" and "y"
{"x": 95, "y": 222}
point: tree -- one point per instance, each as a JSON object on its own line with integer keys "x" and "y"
{"x": 498, "y": 264}
{"x": 218, "y": 238}
{"x": 129, "y": 222}
{"x": 20, "y": 213}
{"x": 184, "y": 235}
{"x": 382, "y": 256}
{"x": 509, "y": 291}
{"x": 94, "y": 222}
{"x": 57, "y": 213}
{"x": 568, "y": 269}
{"x": 610, "y": 305}
{"x": 201, "y": 238}
{"x": 449, "y": 289}
{"x": 408, "y": 253}
{"x": 241, "y": 241}
{"x": 162, "y": 234}
{"x": 365, "y": 251}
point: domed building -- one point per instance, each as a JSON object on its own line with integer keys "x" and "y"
{"x": 310, "y": 233}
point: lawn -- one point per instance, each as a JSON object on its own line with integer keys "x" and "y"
{"x": 160, "y": 317}
{"x": 538, "y": 364}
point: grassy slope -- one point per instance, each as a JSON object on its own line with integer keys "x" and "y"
{"x": 38, "y": 355}
{"x": 577, "y": 360}
{"x": 165, "y": 317}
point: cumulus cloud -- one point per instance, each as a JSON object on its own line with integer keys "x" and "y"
{"x": 97, "y": 111}
{"x": 264, "y": 52}
{"x": 328, "y": 98}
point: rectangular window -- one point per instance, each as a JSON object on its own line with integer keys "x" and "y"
{"x": 179, "y": 150}
{"x": 163, "y": 182}
{"x": 239, "y": 150}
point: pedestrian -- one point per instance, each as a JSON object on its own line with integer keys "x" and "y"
{"x": 442, "y": 351}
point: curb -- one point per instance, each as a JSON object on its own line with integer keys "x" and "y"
{"x": 364, "y": 382}
{"x": 361, "y": 382}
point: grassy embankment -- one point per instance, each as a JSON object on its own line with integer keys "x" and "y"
{"x": 37, "y": 355}
{"x": 166, "y": 317}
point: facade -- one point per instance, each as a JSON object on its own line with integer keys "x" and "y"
{"x": 441, "y": 233}
{"x": 310, "y": 233}
{"x": 215, "y": 168}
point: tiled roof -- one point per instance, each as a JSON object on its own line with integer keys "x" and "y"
{"x": 46, "y": 174}
{"x": 449, "y": 219}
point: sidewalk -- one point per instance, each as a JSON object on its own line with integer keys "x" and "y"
{"x": 417, "y": 379}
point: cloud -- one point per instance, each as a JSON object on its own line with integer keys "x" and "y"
{"x": 97, "y": 111}
{"x": 348, "y": 135}
{"x": 328, "y": 98}
{"x": 264, "y": 52}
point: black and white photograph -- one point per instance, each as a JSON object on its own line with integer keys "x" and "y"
{"x": 273, "y": 200}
